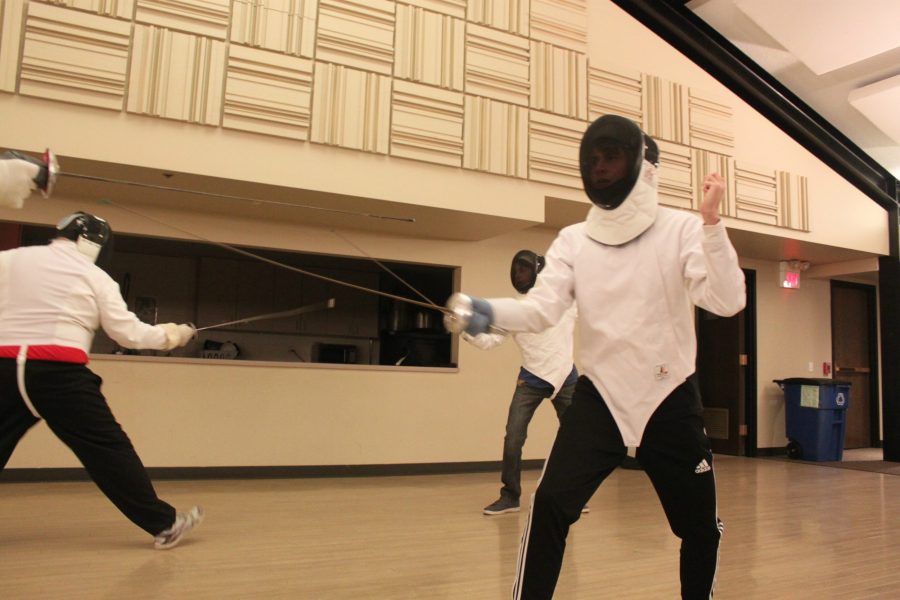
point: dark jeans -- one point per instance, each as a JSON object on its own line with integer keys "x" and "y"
{"x": 675, "y": 454}
{"x": 67, "y": 396}
{"x": 525, "y": 402}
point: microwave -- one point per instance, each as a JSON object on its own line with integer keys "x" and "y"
{"x": 335, "y": 353}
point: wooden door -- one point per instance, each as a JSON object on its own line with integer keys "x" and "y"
{"x": 720, "y": 359}
{"x": 853, "y": 356}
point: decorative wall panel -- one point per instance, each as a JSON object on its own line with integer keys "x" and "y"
{"x": 676, "y": 175}
{"x": 497, "y": 65}
{"x": 495, "y": 137}
{"x": 74, "y": 56}
{"x": 200, "y": 17}
{"x": 122, "y": 9}
{"x": 286, "y": 26}
{"x": 665, "y": 110}
{"x": 357, "y": 33}
{"x": 553, "y": 144}
{"x": 454, "y": 8}
{"x": 705, "y": 163}
{"x": 508, "y": 15}
{"x": 560, "y": 22}
{"x": 558, "y": 80}
{"x": 710, "y": 123}
{"x": 12, "y": 13}
{"x": 351, "y": 108}
{"x": 427, "y": 124}
{"x": 793, "y": 201}
{"x": 176, "y": 75}
{"x": 268, "y": 93}
{"x": 615, "y": 92}
{"x": 756, "y": 197}
{"x": 430, "y": 47}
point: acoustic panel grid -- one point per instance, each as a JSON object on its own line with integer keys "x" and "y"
{"x": 498, "y": 86}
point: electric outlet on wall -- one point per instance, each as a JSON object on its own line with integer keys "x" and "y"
{"x": 810, "y": 367}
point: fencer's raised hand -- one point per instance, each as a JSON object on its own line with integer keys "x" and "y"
{"x": 468, "y": 314}
{"x": 18, "y": 178}
{"x": 713, "y": 192}
{"x": 177, "y": 335}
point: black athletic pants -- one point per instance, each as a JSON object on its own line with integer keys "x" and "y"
{"x": 67, "y": 396}
{"x": 675, "y": 454}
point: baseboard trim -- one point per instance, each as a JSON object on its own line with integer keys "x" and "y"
{"x": 271, "y": 472}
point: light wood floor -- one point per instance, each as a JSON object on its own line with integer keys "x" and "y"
{"x": 793, "y": 531}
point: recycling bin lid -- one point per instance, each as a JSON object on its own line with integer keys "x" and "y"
{"x": 810, "y": 381}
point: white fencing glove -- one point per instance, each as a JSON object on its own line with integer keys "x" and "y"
{"x": 17, "y": 181}
{"x": 177, "y": 335}
{"x": 468, "y": 314}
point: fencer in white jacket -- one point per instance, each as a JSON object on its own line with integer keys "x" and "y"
{"x": 547, "y": 372}
{"x": 635, "y": 271}
{"x": 52, "y": 299}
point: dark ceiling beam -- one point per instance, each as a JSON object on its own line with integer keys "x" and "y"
{"x": 693, "y": 37}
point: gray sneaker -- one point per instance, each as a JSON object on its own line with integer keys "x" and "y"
{"x": 501, "y": 506}
{"x": 184, "y": 522}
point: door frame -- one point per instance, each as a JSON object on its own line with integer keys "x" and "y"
{"x": 750, "y": 373}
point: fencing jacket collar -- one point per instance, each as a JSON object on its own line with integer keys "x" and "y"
{"x": 631, "y": 218}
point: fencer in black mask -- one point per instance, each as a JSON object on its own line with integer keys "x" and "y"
{"x": 636, "y": 272}
{"x": 55, "y": 298}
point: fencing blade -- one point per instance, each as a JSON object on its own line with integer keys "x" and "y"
{"x": 276, "y": 315}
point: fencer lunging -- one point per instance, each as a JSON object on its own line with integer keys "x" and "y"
{"x": 635, "y": 271}
{"x": 52, "y": 300}
{"x": 547, "y": 372}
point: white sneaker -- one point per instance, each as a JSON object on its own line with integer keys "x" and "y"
{"x": 184, "y": 522}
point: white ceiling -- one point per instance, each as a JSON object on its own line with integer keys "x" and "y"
{"x": 841, "y": 58}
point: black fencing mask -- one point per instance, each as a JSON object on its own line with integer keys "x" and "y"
{"x": 92, "y": 235}
{"x": 524, "y": 270}
{"x": 612, "y": 151}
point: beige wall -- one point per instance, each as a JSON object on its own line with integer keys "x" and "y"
{"x": 205, "y": 415}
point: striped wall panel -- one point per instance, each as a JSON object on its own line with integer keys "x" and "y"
{"x": 615, "y": 92}
{"x": 560, "y": 22}
{"x": 495, "y": 137}
{"x": 286, "y": 26}
{"x": 12, "y": 15}
{"x": 268, "y": 93}
{"x": 427, "y": 124}
{"x": 711, "y": 125}
{"x": 357, "y": 33}
{"x": 756, "y": 194}
{"x": 792, "y": 192}
{"x": 676, "y": 176}
{"x": 176, "y": 75}
{"x": 665, "y": 109}
{"x": 199, "y": 17}
{"x": 511, "y": 16}
{"x": 74, "y": 56}
{"x": 497, "y": 65}
{"x": 558, "y": 80}
{"x": 351, "y": 108}
{"x": 553, "y": 143}
{"x": 430, "y": 48}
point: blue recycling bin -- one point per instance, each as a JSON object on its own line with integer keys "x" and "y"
{"x": 815, "y": 417}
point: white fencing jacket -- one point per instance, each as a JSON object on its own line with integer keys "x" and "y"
{"x": 54, "y": 295}
{"x": 635, "y": 302}
{"x": 547, "y": 354}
